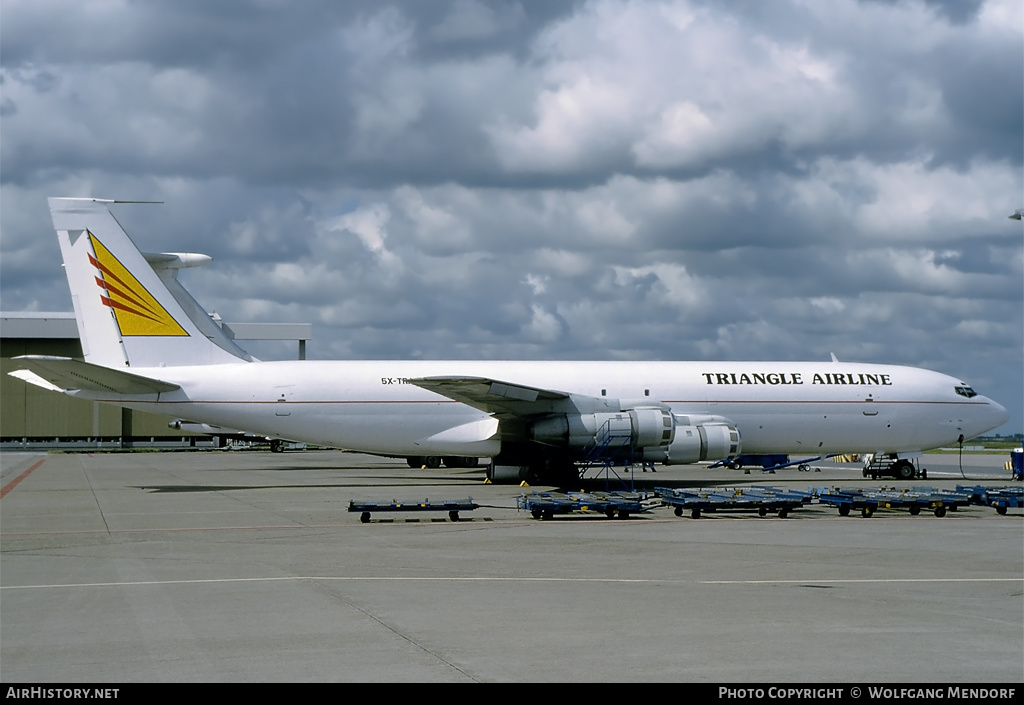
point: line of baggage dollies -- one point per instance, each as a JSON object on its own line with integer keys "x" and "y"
{"x": 770, "y": 500}
{"x": 706, "y": 500}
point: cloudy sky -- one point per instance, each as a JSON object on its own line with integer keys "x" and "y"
{"x": 578, "y": 180}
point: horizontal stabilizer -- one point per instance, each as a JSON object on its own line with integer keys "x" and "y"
{"x": 67, "y": 374}
{"x": 34, "y": 379}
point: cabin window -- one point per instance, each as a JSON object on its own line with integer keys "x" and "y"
{"x": 966, "y": 392}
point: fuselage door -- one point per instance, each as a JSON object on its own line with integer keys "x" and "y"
{"x": 282, "y": 404}
{"x": 870, "y": 407}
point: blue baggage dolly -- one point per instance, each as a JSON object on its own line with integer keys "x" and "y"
{"x": 1000, "y": 498}
{"x": 913, "y": 499}
{"x": 544, "y": 505}
{"x": 763, "y": 500}
{"x": 452, "y": 506}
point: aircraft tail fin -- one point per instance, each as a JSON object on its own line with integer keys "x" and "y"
{"x": 130, "y": 308}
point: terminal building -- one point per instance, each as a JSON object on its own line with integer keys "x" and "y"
{"x": 34, "y": 417}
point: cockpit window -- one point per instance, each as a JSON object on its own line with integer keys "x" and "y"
{"x": 966, "y": 392}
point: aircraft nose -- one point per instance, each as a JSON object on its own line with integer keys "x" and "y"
{"x": 999, "y": 414}
{"x": 985, "y": 417}
{"x": 993, "y": 416}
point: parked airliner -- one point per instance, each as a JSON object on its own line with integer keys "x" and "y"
{"x": 149, "y": 345}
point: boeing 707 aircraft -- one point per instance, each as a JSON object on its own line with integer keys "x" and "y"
{"x": 149, "y": 345}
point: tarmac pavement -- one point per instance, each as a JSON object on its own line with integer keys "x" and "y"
{"x": 247, "y": 566}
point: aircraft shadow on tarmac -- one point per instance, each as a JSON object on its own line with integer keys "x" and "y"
{"x": 361, "y": 482}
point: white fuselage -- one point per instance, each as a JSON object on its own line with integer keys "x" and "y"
{"x": 779, "y": 407}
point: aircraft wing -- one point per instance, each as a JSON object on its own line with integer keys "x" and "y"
{"x": 65, "y": 374}
{"x": 503, "y": 399}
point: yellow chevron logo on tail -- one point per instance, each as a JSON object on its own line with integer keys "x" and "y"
{"x": 138, "y": 313}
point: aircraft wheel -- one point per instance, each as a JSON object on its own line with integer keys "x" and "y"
{"x": 432, "y": 461}
{"x": 904, "y": 470}
{"x": 940, "y": 512}
{"x": 915, "y": 510}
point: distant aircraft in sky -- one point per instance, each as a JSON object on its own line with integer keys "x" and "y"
{"x": 149, "y": 345}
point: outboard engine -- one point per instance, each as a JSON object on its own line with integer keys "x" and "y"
{"x": 654, "y": 434}
{"x": 716, "y": 440}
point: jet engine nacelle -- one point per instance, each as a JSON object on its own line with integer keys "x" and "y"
{"x": 635, "y": 428}
{"x": 693, "y": 443}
